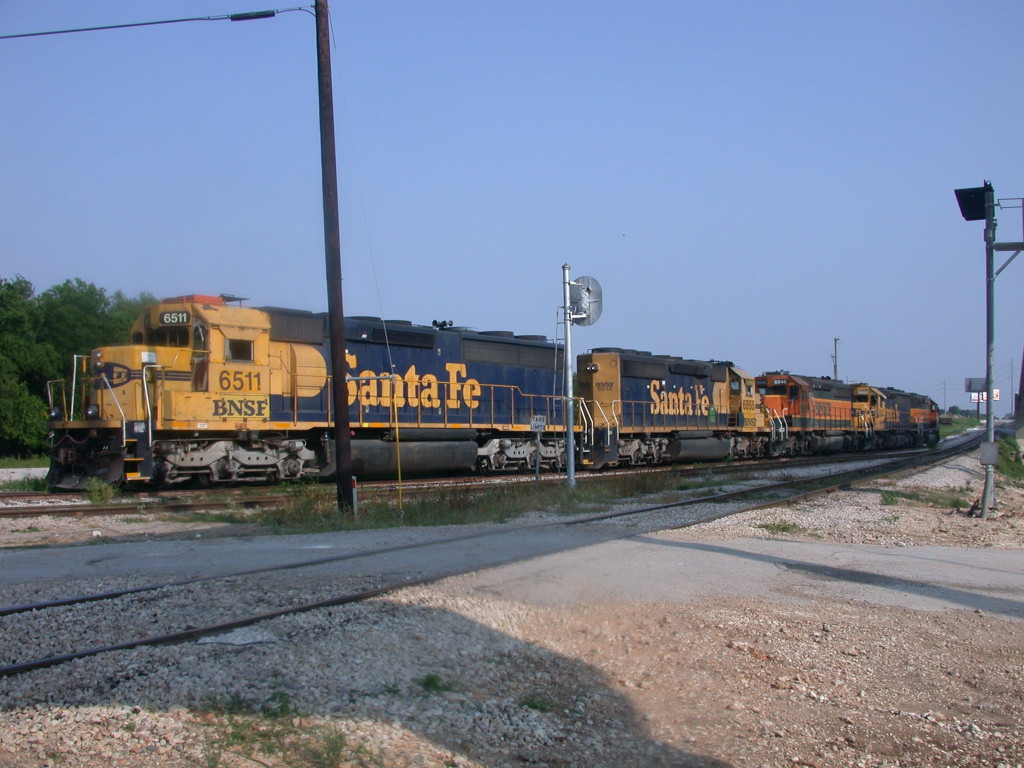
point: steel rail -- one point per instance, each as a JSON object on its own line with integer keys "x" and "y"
{"x": 179, "y": 500}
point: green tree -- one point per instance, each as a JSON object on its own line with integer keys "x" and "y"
{"x": 78, "y": 317}
{"x": 25, "y": 367}
{"x": 38, "y": 337}
{"x": 23, "y": 416}
{"x": 126, "y": 311}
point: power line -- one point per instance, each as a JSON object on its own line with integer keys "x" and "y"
{"x": 247, "y": 16}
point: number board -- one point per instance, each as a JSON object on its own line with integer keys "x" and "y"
{"x": 240, "y": 381}
{"x": 175, "y": 317}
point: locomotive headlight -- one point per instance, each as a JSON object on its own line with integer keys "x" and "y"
{"x": 92, "y": 412}
{"x": 56, "y": 413}
{"x": 593, "y": 367}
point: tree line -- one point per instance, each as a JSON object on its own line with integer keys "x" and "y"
{"x": 39, "y": 335}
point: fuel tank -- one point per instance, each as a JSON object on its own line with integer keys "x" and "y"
{"x": 698, "y": 447}
{"x": 377, "y": 457}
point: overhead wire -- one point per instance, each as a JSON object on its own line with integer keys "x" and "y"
{"x": 245, "y": 16}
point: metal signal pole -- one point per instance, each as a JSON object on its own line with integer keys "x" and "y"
{"x": 332, "y": 255}
{"x": 570, "y": 445}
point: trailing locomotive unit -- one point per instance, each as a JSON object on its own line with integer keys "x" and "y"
{"x": 822, "y": 415}
{"x": 894, "y": 418}
{"x": 221, "y": 393}
{"x": 647, "y": 409}
{"x": 815, "y": 415}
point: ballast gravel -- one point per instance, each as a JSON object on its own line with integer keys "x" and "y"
{"x": 461, "y": 674}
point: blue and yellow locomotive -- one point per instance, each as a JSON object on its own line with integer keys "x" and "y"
{"x": 214, "y": 392}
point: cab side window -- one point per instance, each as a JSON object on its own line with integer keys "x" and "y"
{"x": 238, "y": 350}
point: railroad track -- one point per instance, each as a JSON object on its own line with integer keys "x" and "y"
{"x": 38, "y": 503}
{"x": 69, "y": 629}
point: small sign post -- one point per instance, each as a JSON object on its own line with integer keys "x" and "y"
{"x": 537, "y": 424}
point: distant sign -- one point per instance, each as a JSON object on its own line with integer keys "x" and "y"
{"x": 982, "y": 397}
{"x": 974, "y": 385}
{"x": 537, "y": 423}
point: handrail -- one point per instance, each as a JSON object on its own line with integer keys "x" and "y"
{"x": 586, "y": 417}
{"x": 145, "y": 392}
{"x": 74, "y": 383}
{"x": 63, "y": 394}
{"x": 124, "y": 419}
{"x": 607, "y": 420}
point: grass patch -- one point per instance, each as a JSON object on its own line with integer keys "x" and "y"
{"x": 1010, "y": 465}
{"x": 960, "y": 424}
{"x": 31, "y": 462}
{"x": 783, "y": 527}
{"x": 24, "y": 484}
{"x": 312, "y": 508}
{"x": 951, "y": 498}
{"x": 274, "y": 732}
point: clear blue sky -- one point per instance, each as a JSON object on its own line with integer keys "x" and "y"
{"x": 747, "y": 180}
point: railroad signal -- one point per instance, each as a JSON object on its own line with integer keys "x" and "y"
{"x": 972, "y": 201}
{"x": 585, "y": 300}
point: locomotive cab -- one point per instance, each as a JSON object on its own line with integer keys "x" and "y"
{"x": 599, "y": 387}
{"x": 188, "y": 398}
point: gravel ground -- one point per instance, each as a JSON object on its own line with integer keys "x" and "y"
{"x": 455, "y": 675}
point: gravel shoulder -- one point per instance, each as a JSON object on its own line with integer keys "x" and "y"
{"x": 872, "y": 627}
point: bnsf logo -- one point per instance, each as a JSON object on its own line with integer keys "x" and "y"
{"x": 112, "y": 375}
{"x": 248, "y": 406}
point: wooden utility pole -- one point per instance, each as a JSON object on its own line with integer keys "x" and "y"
{"x": 332, "y": 255}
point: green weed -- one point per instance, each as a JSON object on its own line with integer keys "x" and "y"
{"x": 539, "y": 703}
{"x": 433, "y": 683}
{"x": 99, "y": 492}
{"x": 782, "y": 528}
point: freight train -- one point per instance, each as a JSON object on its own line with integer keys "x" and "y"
{"x": 210, "y": 391}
